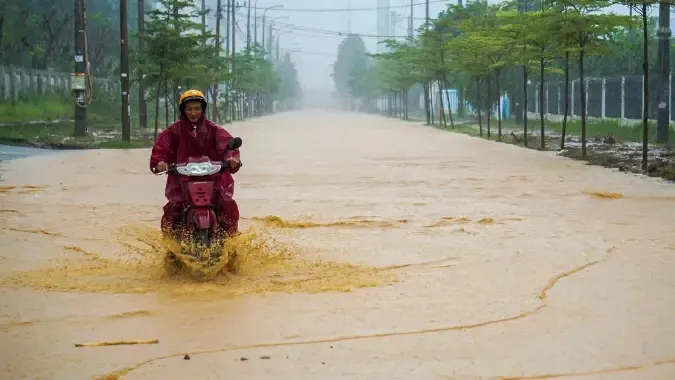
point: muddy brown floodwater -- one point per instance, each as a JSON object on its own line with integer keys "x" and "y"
{"x": 373, "y": 249}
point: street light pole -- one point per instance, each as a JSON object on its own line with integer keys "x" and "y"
{"x": 248, "y": 27}
{"x": 263, "y": 26}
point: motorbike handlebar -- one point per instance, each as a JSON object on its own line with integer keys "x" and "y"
{"x": 172, "y": 169}
{"x": 233, "y": 144}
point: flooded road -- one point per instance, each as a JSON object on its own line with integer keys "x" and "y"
{"x": 377, "y": 249}
{"x": 8, "y": 152}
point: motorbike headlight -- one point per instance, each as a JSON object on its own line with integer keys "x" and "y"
{"x": 198, "y": 169}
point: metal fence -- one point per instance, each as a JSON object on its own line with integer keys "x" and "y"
{"x": 606, "y": 98}
{"x": 17, "y": 82}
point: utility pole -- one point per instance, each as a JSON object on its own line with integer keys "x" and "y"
{"x": 248, "y": 27}
{"x": 234, "y": 52}
{"x": 219, "y": 14}
{"x": 228, "y": 85}
{"x": 142, "y": 104}
{"x": 392, "y": 24}
{"x": 269, "y": 40}
{"x": 410, "y": 20}
{"x": 519, "y": 96}
{"x": 247, "y": 103}
{"x": 124, "y": 71}
{"x": 264, "y": 48}
{"x": 277, "y": 53}
{"x": 427, "y": 105}
{"x": 663, "y": 116}
{"x": 203, "y": 16}
{"x": 79, "y": 78}
{"x": 227, "y": 28}
{"x": 255, "y": 25}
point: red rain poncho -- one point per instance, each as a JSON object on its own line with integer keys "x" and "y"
{"x": 183, "y": 140}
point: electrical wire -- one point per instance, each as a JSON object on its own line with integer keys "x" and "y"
{"x": 330, "y": 32}
{"x": 345, "y": 9}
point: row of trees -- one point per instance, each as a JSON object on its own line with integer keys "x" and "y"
{"x": 482, "y": 49}
{"x": 38, "y": 34}
{"x": 179, "y": 53}
{"x": 172, "y": 53}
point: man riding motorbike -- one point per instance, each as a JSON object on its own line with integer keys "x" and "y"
{"x": 194, "y": 135}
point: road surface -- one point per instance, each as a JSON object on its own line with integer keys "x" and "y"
{"x": 406, "y": 253}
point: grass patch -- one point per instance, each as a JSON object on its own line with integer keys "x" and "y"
{"x": 595, "y": 128}
{"x": 119, "y": 144}
{"x": 55, "y": 107}
{"x": 602, "y": 128}
{"x": 616, "y": 154}
{"x": 60, "y": 136}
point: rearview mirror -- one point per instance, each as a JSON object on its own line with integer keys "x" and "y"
{"x": 234, "y": 144}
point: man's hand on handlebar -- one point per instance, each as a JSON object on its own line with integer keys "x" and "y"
{"x": 161, "y": 167}
{"x": 233, "y": 162}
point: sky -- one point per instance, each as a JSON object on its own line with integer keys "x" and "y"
{"x": 311, "y": 29}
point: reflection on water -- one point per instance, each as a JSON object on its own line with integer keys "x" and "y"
{"x": 8, "y": 152}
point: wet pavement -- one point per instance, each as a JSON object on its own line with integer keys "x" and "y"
{"x": 417, "y": 254}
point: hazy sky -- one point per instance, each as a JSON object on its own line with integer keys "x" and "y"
{"x": 310, "y": 27}
{"x": 314, "y": 48}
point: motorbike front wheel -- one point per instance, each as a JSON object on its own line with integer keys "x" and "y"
{"x": 172, "y": 264}
{"x": 203, "y": 238}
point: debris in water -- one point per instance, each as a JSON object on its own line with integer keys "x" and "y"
{"x": 449, "y": 220}
{"x": 604, "y": 194}
{"x": 117, "y": 343}
{"x": 186, "y": 357}
{"x": 243, "y": 359}
{"x": 35, "y": 231}
{"x": 138, "y": 313}
{"x": 277, "y": 222}
{"x": 265, "y": 357}
{"x": 21, "y": 189}
{"x": 486, "y": 221}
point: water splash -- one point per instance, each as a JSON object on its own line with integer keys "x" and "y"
{"x": 263, "y": 265}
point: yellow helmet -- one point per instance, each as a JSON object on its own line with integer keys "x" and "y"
{"x": 191, "y": 95}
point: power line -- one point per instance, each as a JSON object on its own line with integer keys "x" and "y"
{"x": 333, "y": 55}
{"x": 330, "y": 32}
{"x": 347, "y": 9}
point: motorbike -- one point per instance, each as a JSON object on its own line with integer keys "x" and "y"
{"x": 199, "y": 233}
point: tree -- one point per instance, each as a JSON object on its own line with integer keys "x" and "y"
{"x": 592, "y": 32}
{"x": 290, "y": 93}
{"x": 486, "y": 35}
{"x": 642, "y": 7}
{"x": 177, "y": 52}
{"x": 38, "y": 34}
{"x": 350, "y": 69}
